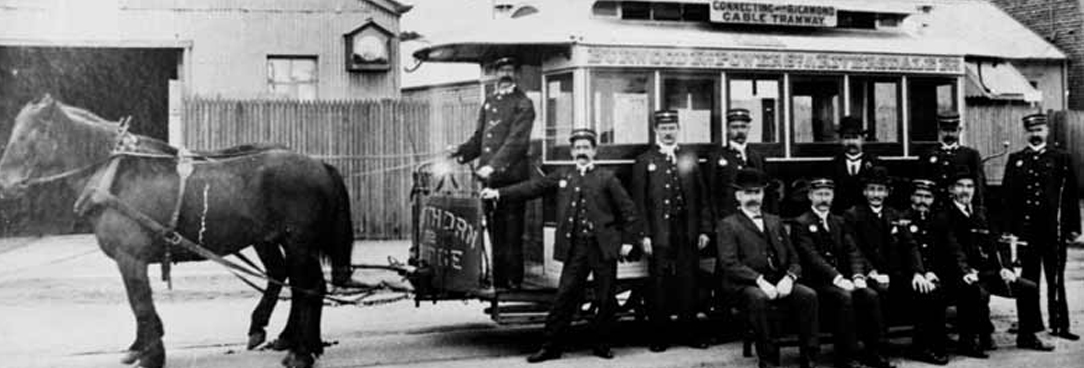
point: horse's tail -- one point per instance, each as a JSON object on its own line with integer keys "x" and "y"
{"x": 338, "y": 245}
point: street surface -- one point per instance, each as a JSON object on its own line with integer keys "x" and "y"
{"x": 62, "y": 304}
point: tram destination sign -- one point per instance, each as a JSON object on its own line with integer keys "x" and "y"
{"x": 792, "y": 15}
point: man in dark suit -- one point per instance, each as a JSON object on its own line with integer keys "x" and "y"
{"x": 1043, "y": 208}
{"x": 761, "y": 269}
{"x": 669, "y": 192}
{"x": 725, "y": 161}
{"x": 939, "y": 163}
{"x": 597, "y": 224}
{"x": 981, "y": 271}
{"x": 500, "y": 144}
{"x": 836, "y": 270}
{"x": 876, "y": 231}
{"x": 847, "y": 167}
{"x": 926, "y": 254}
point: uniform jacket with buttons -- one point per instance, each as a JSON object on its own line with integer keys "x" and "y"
{"x": 880, "y": 240}
{"x": 656, "y": 181}
{"x": 722, "y": 165}
{"x": 941, "y": 164}
{"x": 976, "y": 240}
{"x": 611, "y": 212}
{"x": 746, "y": 253}
{"x": 502, "y": 137}
{"x": 826, "y": 253}
{"x": 848, "y": 187}
{"x": 1031, "y": 184}
{"x": 932, "y": 249}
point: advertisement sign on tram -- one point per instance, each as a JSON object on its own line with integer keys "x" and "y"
{"x": 451, "y": 242}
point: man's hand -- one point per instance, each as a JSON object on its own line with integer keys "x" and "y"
{"x": 921, "y": 284}
{"x": 971, "y": 277}
{"x": 485, "y": 171}
{"x": 646, "y": 246}
{"x": 860, "y": 283}
{"x": 879, "y": 277}
{"x": 490, "y": 193}
{"x": 626, "y": 249}
{"x": 768, "y": 288}
{"x": 785, "y": 286}
{"x": 451, "y": 150}
{"x": 843, "y": 283}
{"x": 932, "y": 277}
{"x": 703, "y": 241}
{"x": 1008, "y": 275}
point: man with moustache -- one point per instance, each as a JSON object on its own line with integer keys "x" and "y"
{"x": 500, "y": 144}
{"x": 847, "y": 167}
{"x": 597, "y": 225}
{"x": 939, "y": 163}
{"x": 876, "y": 231}
{"x": 836, "y": 270}
{"x": 927, "y": 254}
{"x": 669, "y": 192}
{"x": 980, "y": 271}
{"x": 761, "y": 270}
{"x": 725, "y": 161}
{"x": 1042, "y": 207}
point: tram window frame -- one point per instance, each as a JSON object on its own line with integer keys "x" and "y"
{"x": 774, "y": 147}
{"x": 890, "y": 146}
{"x": 554, "y": 139}
{"x": 922, "y": 124}
{"x": 823, "y": 148}
{"x": 715, "y": 110}
{"x": 607, "y": 149}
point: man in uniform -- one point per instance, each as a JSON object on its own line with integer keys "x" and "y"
{"x": 939, "y": 163}
{"x": 500, "y": 144}
{"x": 670, "y": 194}
{"x": 980, "y": 270}
{"x": 761, "y": 269}
{"x": 1042, "y": 207}
{"x": 598, "y": 224}
{"x": 835, "y": 269}
{"x": 847, "y": 167}
{"x": 926, "y": 254}
{"x": 725, "y": 161}
{"x": 878, "y": 237}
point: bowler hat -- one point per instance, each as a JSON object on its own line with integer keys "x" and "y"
{"x": 876, "y": 175}
{"x": 749, "y": 178}
{"x": 850, "y": 125}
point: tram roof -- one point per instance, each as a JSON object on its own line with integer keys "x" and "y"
{"x": 972, "y": 28}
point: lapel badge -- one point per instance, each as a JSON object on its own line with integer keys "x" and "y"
{"x": 914, "y": 228}
{"x": 812, "y": 228}
{"x": 722, "y": 162}
{"x": 895, "y": 230}
{"x": 933, "y": 159}
{"x": 1019, "y": 163}
{"x": 651, "y": 167}
{"x": 563, "y": 183}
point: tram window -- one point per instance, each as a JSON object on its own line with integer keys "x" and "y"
{"x": 695, "y": 98}
{"x": 816, "y": 107}
{"x": 621, "y": 106}
{"x": 559, "y": 102}
{"x": 927, "y": 97}
{"x": 759, "y": 95}
{"x": 877, "y": 102}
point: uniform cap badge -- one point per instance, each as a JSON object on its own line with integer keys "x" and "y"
{"x": 933, "y": 159}
{"x": 651, "y": 167}
{"x": 562, "y": 183}
{"x": 722, "y": 162}
{"x": 914, "y": 228}
{"x": 1019, "y": 163}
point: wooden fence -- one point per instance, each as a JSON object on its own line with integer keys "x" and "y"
{"x": 375, "y": 144}
{"x": 987, "y": 128}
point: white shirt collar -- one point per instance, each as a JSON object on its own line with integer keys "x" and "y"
{"x": 750, "y": 215}
{"x": 583, "y": 169}
{"x": 1038, "y": 148}
{"x": 853, "y": 157}
{"x": 667, "y": 149}
{"x": 506, "y": 90}
{"x": 962, "y": 207}
{"x": 877, "y": 210}
{"x": 740, "y": 147}
{"x": 822, "y": 215}
{"x": 950, "y": 146}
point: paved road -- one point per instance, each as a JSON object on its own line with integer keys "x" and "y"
{"x": 62, "y": 305}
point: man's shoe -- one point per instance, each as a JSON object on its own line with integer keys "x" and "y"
{"x": 929, "y": 356}
{"x": 766, "y": 363}
{"x": 657, "y": 347}
{"x": 1030, "y": 341}
{"x": 698, "y": 344}
{"x": 603, "y": 352}
{"x": 1064, "y": 334}
{"x": 971, "y": 349}
{"x": 877, "y": 361}
{"x": 544, "y": 354}
{"x": 986, "y": 343}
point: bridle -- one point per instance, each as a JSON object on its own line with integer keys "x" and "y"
{"x": 122, "y": 145}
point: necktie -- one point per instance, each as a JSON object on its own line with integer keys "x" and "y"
{"x": 968, "y": 211}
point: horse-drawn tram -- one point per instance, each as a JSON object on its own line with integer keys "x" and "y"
{"x": 797, "y": 67}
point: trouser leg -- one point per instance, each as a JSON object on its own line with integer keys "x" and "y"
{"x": 569, "y": 294}
{"x": 605, "y": 283}
{"x": 507, "y": 235}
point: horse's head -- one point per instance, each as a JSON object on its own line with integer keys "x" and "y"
{"x": 40, "y": 133}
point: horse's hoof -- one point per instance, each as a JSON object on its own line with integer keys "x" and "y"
{"x": 255, "y": 339}
{"x": 281, "y": 344}
{"x": 153, "y": 357}
{"x": 130, "y": 356}
{"x": 296, "y": 360}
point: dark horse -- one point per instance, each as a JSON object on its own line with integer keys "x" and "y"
{"x": 293, "y": 209}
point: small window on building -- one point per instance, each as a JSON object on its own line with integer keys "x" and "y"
{"x": 636, "y": 10}
{"x": 927, "y": 97}
{"x": 292, "y": 77}
{"x": 621, "y": 106}
{"x": 761, "y": 96}
{"x": 666, "y": 11}
{"x": 605, "y": 9}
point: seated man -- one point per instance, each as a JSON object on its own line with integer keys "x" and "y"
{"x": 835, "y": 269}
{"x": 877, "y": 234}
{"x": 926, "y": 255}
{"x": 979, "y": 271}
{"x": 760, "y": 268}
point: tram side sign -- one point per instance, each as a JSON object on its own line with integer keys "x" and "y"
{"x": 773, "y": 14}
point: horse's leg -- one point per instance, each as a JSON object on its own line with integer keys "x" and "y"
{"x": 147, "y": 348}
{"x": 272, "y": 259}
{"x": 305, "y": 274}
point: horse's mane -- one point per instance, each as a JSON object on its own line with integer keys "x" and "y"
{"x": 79, "y": 114}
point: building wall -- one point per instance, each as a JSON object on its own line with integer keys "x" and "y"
{"x": 227, "y": 41}
{"x": 1049, "y": 79}
{"x": 1060, "y": 22}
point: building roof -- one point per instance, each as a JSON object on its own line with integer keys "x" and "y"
{"x": 934, "y": 27}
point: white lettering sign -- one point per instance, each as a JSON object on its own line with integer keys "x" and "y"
{"x": 773, "y": 14}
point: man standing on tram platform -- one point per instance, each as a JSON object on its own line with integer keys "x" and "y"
{"x": 500, "y": 144}
{"x": 847, "y": 168}
{"x": 725, "y": 161}
{"x": 669, "y": 192}
{"x": 1042, "y": 207}
{"x": 939, "y": 163}
{"x": 598, "y": 223}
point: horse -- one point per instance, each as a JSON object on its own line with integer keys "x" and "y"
{"x": 293, "y": 209}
